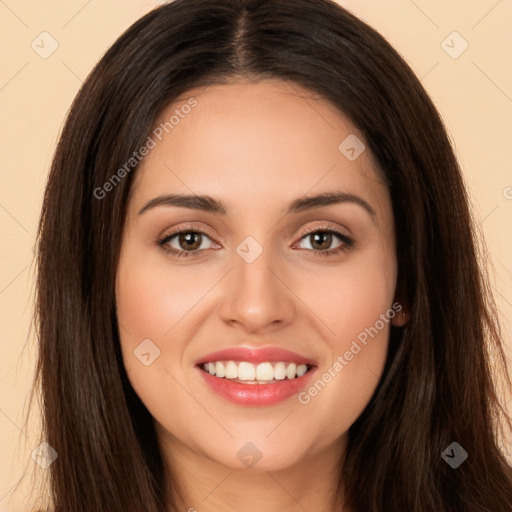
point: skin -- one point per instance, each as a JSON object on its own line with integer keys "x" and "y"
{"x": 256, "y": 147}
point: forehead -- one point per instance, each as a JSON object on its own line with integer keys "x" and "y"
{"x": 264, "y": 139}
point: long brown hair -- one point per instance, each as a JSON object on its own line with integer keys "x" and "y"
{"x": 437, "y": 387}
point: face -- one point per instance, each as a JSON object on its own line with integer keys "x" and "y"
{"x": 282, "y": 282}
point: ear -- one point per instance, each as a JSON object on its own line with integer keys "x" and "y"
{"x": 401, "y": 317}
{"x": 400, "y": 306}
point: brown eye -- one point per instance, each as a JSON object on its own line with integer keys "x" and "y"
{"x": 189, "y": 240}
{"x": 184, "y": 243}
{"x": 322, "y": 239}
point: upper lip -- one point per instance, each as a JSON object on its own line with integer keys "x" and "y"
{"x": 256, "y": 355}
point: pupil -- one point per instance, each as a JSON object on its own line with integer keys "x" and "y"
{"x": 187, "y": 238}
{"x": 328, "y": 237}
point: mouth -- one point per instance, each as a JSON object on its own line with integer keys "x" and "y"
{"x": 256, "y": 377}
{"x": 244, "y": 372}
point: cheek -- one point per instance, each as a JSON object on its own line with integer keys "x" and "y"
{"x": 338, "y": 306}
{"x": 143, "y": 304}
{"x": 151, "y": 300}
{"x": 148, "y": 307}
{"x": 356, "y": 308}
{"x": 352, "y": 297}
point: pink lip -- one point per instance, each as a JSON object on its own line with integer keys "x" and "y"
{"x": 256, "y": 355}
{"x": 256, "y": 394}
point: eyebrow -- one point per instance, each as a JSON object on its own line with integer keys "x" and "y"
{"x": 211, "y": 205}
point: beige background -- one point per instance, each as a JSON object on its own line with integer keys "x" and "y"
{"x": 473, "y": 93}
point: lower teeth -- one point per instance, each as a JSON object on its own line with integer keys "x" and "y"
{"x": 253, "y": 381}
{"x": 273, "y": 381}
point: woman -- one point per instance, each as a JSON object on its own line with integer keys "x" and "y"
{"x": 258, "y": 283}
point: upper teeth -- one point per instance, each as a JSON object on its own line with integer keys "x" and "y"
{"x": 260, "y": 372}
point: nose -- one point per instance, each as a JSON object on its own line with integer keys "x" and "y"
{"x": 257, "y": 297}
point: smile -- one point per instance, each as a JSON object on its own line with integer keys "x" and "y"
{"x": 249, "y": 373}
{"x": 251, "y": 376}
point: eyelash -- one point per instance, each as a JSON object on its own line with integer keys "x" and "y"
{"x": 346, "y": 245}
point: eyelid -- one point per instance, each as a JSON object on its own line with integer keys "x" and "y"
{"x": 325, "y": 227}
{"x": 187, "y": 228}
{"x": 347, "y": 240}
{"x": 303, "y": 233}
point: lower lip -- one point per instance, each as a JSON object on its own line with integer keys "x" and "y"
{"x": 256, "y": 394}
